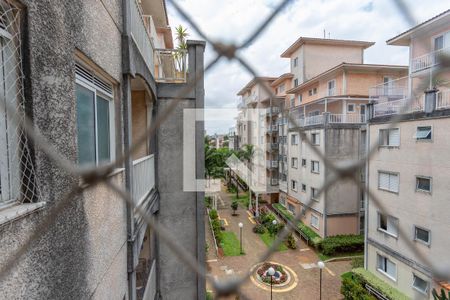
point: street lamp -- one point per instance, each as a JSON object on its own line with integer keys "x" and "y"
{"x": 274, "y": 222}
{"x": 320, "y": 265}
{"x": 240, "y": 234}
{"x": 271, "y": 272}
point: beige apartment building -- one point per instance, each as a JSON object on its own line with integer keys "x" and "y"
{"x": 408, "y": 173}
{"x": 257, "y": 125}
{"x": 328, "y": 103}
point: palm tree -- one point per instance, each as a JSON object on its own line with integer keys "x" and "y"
{"x": 180, "y": 55}
{"x": 246, "y": 153}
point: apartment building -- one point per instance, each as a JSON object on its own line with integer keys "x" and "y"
{"x": 260, "y": 128}
{"x": 328, "y": 107}
{"x": 233, "y": 143}
{"x": 91, "y": 76}
{"x": 408, "y": 172}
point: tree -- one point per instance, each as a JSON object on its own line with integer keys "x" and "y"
{"x": 234, "y": 206}
{"x": 180, "y": 55}
{"x": 442, "y": 295}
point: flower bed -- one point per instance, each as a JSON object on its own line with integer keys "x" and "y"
{"x": 280, "y": 278}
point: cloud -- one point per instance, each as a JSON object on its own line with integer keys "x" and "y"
{"x": 233, "y": 21}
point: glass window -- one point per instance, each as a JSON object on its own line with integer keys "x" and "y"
{"x": 315, "y": 221}
{"x": 351, "y": 107}
{"x": 386, "y": 266}
{"x": 314, "y": 166}
{"x": 295, "y": 82}
{"x": 315, "y": 137}
{"x": 389, "y": 137}
{"x": 388, "y": 224}
{"x": 295, "y": 61}
{"x": 294, "y": 185}
{"x": 314, "y": 193}
{"x": 420, "y": 284}
{"x": 300, "y": 98}
{"x": 331, "y": 88}
{"x": 388, "y": 181}
{"x": 294, "y": 162}
{"x": 93, "y": 124}
{"x": 304, "y": 188}
{"x": 423, "y": 184}
{"x": 294, "y": 139}
{"x": 422, "y": 235}
{"x": 303, "y": 162}
{"x": 423, "y": 133}
{"x": 291, "y": 208}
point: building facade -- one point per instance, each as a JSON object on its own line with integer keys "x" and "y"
{"x": 407, "y": 172}
{"x": 92, "y": 76}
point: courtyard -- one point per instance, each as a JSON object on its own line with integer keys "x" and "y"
{"x": 302, "y": 262}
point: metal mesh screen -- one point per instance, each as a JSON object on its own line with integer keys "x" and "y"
{"x": 18, "y": 129}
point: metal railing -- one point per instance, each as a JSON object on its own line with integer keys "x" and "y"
{"x": 141, "y": 35}
{"x": 272, "y": 164}
{"x": 397, "y": 107}
{"x": 171, "y": 65}
{"x": 443, "y": 99}
{"x": 428, "y": 60}
{"x": 143, "y": 177}
{"x": 150, "y": 288}
{"x": 347, "y": 118}
{"x": 394, "y": 89}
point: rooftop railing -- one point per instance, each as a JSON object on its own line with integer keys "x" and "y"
{"x": 140, "y": 33}
{"x": 171, "y": 65}
{"x": 393, "y": 90}
{"x": 405, "y": 105}
{"x": 428, "y": 60}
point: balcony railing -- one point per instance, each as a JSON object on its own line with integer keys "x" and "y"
{"x": 428, "y": 60}
{"x": 443, "y": 99}
{"x": 272, "y": 164}
{"x": 274, "y": 110}
{"x": 143, "y": 177}
{"x": 393, "y": 90}
{"x": 406, "y": 105}
{"x": 171, "y": 65}
{"x": 347, "y": 118}
{"x": 250, "y": 99}
{"x": 271, "y": 146}
{"x": 140, "y": 33}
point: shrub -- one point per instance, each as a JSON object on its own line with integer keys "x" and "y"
{"x": 387, "y": 290}
{"x": 357, "y": 262}
{"x": 290, "y": 242}
{"x": 213, "y": 214}
{"x": 208, "y": 201}
{"x": 266, "y": 219}
{"x": 314, "y": 238}
{"x": 234, "y": 206}
{"x": 259, "y": 228}
{"x": 352, "y": 288}
{"x": 342, "y": 244}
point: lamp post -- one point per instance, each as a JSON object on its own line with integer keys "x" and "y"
{"x": 274, "y": 224}
{"x": 271, "y": 272}
{"x": 321, "y": 265}
{"x": 240, "y": 235}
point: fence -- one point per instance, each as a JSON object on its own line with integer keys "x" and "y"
{"x": 143, "y": 177}
{"x": 169, "y": 70}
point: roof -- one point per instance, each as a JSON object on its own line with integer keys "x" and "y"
{"x": 282, "y": 78}
{"x": 319, "y": 41}
{"x": 254, "y": 81}
{"x": 347, "y": 66}
{"x": 403, "y": 38}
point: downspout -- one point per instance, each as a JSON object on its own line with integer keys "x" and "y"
{"x": 325, "y": 193}
{"x": 127, "y": 141}
{"x": 369, "y": 112}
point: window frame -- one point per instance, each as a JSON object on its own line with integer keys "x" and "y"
{"x": 312, "y": 167}
{"x": 417, "y": 184}
{"x": 311, "y": 221}
{"x": 303, "y": 189}
{"x": 295, "y": 61}
{"x": 390, "y": 173}
{"x": 351, "y": 105}
{"x": 415, "y": 227}
{"x": 314, "y": 197}
{"x": 294, "y": 185}
{"x": 313, "y": 141}
{"x": 384, "y": 272}
{"x": 424, "y": 140}
{"x": 294, "y": 138}
{"x": 386, "y": 231}
{"x": 333, "y": 89}
{"x": 294, "y": 165}
{"x": 304, "y": 162}
{"x": 388, "y": 145}
{"x": 110, "y": 98}
{"x": 418, "y": 289}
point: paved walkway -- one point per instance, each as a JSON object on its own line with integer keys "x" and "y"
{"x": 301, "y": 260}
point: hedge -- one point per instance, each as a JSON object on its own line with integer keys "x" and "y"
{"x": 360, "y": 277}
{"x": 313, "y": 237}
{"x": 342, "y": 244}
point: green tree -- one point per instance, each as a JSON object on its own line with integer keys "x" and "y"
{"x": 441, "y": 296}
{"x": 180, "y": 55}
{"x": 234, "y": 206}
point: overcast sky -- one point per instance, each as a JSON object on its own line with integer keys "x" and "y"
{"x": 233, "y": 20}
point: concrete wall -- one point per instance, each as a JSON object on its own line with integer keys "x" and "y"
{"x": 139, "y": 121}
{"x": 411, "y": 207}
{"x": 342, "y": 225}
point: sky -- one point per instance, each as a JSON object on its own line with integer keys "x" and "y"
{"x": 231, "y": 21}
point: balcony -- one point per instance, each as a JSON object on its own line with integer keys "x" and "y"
{"x": 250, "y": 99}
{"x": 428, "y": 60}
{"x": 406, "y": 105}
{"x": 270, "y": 110}
{"x": 389, "y": 91}
{"x": 328, "y": 118}
{"x": 443, "y": 99}
{"x": 143, "y": 178}
{"x": 347, "y": 119}
{"x": 271, "y": 146}
{"x": 166, "y": 65}
{"x": 272, "y": 164}
{"x": 272, "y": 129}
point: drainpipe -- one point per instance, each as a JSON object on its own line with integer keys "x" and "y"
{"x": 127, "y": 141}
{"x": 369, "y": 114}
{"x": 325, "y": 193}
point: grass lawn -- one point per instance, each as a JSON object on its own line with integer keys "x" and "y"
{"x": 268, "y": 240}
{"x": 324, "y": 257}
{"x": 243, "y": 199}
{"x": 230, "y": 244}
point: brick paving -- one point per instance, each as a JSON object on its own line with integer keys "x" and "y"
{"x": 301, "y": 260}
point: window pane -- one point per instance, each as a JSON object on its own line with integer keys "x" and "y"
{"x": 85, "y": 125}
{"x": 422, "y": 235}
{"x": 424, "y": 184}
{"x": 394, "y": 137}
{"x": 391, "y": 268}
{"x": 382, "y": 221}
{"x": 103, "y": 130}
{"x": 420, "y": 284}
